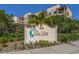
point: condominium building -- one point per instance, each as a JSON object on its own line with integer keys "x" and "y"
{"x": 60, "y": 10}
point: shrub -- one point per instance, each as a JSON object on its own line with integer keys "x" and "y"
{"x": 30, "y": 45}
{"x": 44, "y": 43}
{"x": 68, "y": 37}
{"x": 20, "y": 36}
{"x": 40, "y": 43}
{"x": 7, "y": 38}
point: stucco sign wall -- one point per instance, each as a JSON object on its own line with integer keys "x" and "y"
{"x": 37, "y": 33}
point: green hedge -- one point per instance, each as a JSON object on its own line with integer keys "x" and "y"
{"x": 68, "y": 37}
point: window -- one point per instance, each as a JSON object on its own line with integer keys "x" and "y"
{"x": 55, "y": 12}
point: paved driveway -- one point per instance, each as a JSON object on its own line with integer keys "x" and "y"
{"x": 71, "y": 48}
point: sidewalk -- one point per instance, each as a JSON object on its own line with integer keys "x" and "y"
{"x": 70, "y": 48}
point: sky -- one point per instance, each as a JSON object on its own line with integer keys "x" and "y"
{"x": 21, "y": 9}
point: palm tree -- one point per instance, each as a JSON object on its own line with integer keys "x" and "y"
{"x": 38, "y": 19}
{"x": 42, "y": 17}
{"x": 33, "y": 21}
